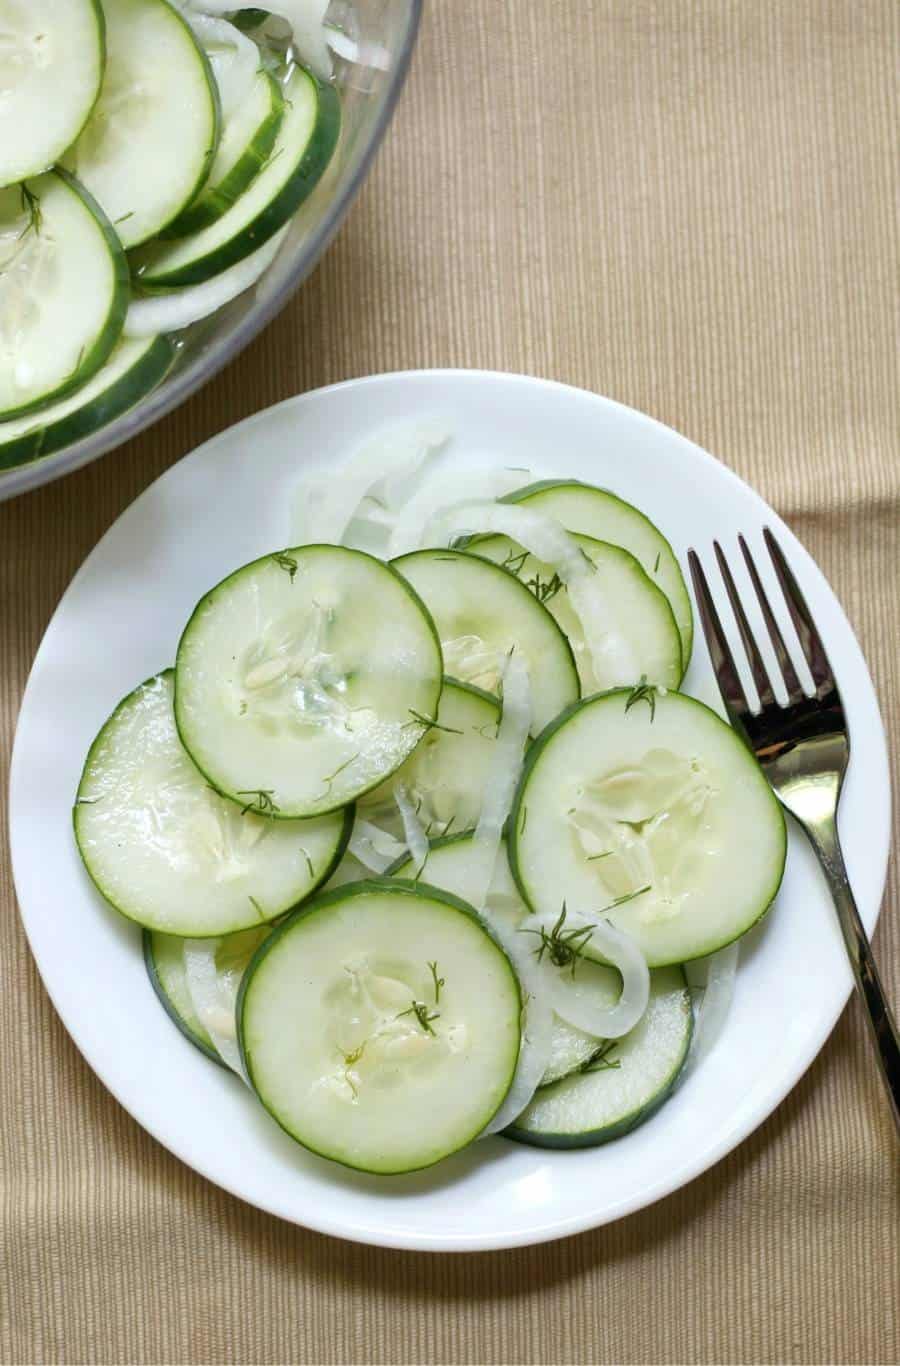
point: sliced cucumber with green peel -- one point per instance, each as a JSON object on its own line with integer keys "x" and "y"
{"x": 444, "y": 776}
{"x": 624, "y": 1084}
{"x": 248, "y": 137}
{"x": 133, "y": 369}
{"x": 571, "y": 1049}
{"x": 52, "y": 57}
{"x": 651, "y": 801}
{"x": 306, "y": 141}
{"x": 168, "y": 852}
{"x": 164, "y": 960}
{"x": 640, "y": 616}
{"x": 148, "y": 146}
{"x": 380, "y": 1026}
{"x": 481, "y": 612}
{"x": 597, "y": 512}
{"x": 305, "y": 679}
{"x": 63, "y": 292}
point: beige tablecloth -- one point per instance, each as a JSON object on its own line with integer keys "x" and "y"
{"x": 691, "y": 206}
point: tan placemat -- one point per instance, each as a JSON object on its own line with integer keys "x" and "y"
{"x": 692, "y": 207}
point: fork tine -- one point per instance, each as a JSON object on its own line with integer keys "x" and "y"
{"x": 727, "y": 675}
{"x": 785, "y": 663}
{"x": 757, "y": 666}
{"x": 810, "y": 640}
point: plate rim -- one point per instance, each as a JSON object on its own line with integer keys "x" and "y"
{"x": 548, "y": 1230}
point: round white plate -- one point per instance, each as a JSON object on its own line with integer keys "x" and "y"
{"x": 120, "y": 621}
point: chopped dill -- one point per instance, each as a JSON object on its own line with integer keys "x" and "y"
{"x": 419, "y": 720}
{"x": 256, "y": 906}
{"x": 287, "y": 563}
{"x": 123, "y": 219}
{"x": 544, "y": 589}
{"x": 86, "y": 801}
{"x": 32, "y": 206}
{"x": 563, "y": 947}
{"x": 354, "y": 1056}
{"x": 592, "y": 858}
{"x": 642, "y": 692}
{"x": 309, "y": 862}
{"x": 524, "y": 821}
{"x": 438, "y": 981}
{"x": 262, "y": 803}
{"x": 656, "y": 562}
{"x": 514, "y": 561}
{"x": 339, "y": 770}
{"x": 422, "y": 1014}
{"x": 599, "y": 1060}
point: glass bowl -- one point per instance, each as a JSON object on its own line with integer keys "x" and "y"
{"x": 386, "y": 29}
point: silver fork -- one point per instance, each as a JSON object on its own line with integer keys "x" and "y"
{"x": 803, "y": 749}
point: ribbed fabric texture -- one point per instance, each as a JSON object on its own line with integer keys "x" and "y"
{"x": 690, "y": 206}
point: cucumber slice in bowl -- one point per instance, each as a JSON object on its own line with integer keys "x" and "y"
{"x": 306, "y": 139}
{"x": 642, "y": 627}
{"x": 248, "y": 137}
{"x": 148, "y": 146}
{"x": 596, "y": 512}
{"x": 306, "y": 678}
{"x": 168, "y": 852}
{"x": 444, "y": 776}
{"x": 623, "y": 1084}
{"x": 133, "y": 369}
{"x": 481, "y": 612}
{"x": 380, "y": 1026}
{"x": 63, "y": 292}
{"x": 52, "y": 57}
{"x": 164, "y": 961}
{"x": 646, "y": 809}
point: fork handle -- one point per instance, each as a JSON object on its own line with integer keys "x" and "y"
{"x": 882, "y": 1026}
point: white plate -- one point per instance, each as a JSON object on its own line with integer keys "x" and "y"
{"x": 119, "y": 622}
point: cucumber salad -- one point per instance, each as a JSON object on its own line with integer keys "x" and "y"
{"x": 152, "y": 155}
{"x": 425, "y": 840}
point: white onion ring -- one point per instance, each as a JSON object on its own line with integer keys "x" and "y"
{"x": 375, "y": 849}
{"x": 613, "y": 658}
{"x": 236, "y": 68}
{"x": 577, "y": 1006}
{"x": 171, "y": 312}
{"x": 413, "y": 830}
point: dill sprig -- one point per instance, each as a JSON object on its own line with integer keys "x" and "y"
{"x": 438, "y": 981}
{"x": 287, "y": 563}
{"x": 422, "y": 1014}
{"x": 419, "y": 720}
{"x": 256, "y": 906}
{"x": 514, "y": 561}
{"x": 599, "y": 1060}
{"x": 32, "y": 206}
{"x": 642, "y": 692}
{"x": 544, "y": 589}
{"x": 263, "y": 803}
{"x": 338, "y": 771}
{"x": 563, "y": 947}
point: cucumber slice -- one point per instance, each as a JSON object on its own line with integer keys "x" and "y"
{"x": 248, "y": 137}
{"x": 164, "y": 960}
{"x": 148, "y": 146}
{"x": 306, "y": 140}
{"x": 624, "y": 1085}
{"x": 445, "y": 775}
{"x": 133, "y": 369}
{"x": 597, "y": 512}
{"x": 639, "y": 613}
{"x": 51, "y": 65}
{"x": 63, "y": 292}
{"x": 168, "y": 852}
{"x": 380, "y": 1026}
{"x": 306, "y": 678}
{"x": 651, "y": 800}
{"x": 447, "y": 867}
{"x": 481, "y": 612}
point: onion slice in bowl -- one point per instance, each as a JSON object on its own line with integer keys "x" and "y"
{"x": 171, "y": 312}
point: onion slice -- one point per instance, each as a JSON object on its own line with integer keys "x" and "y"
{"x": 375, "y": 849}
{"x": 213, "y": 1000}
{"x": 413, "y": 830}
{"x": 612, "y": 656}
{"x": 233, "y": 57}
{"x": 171, "y": 312}
{"x": 537, "y": 1030}
{"x": 715, "y": 975}
{"x": 574, "y": 1001}
{"x": 305, "y": 17}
